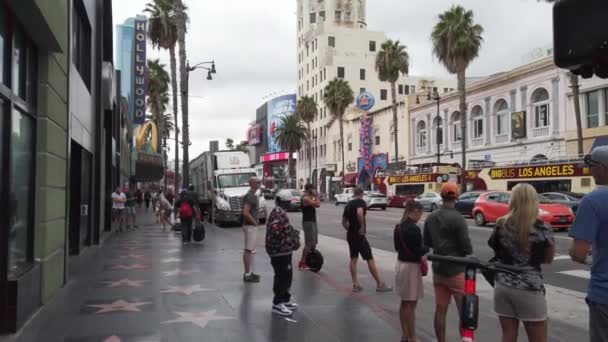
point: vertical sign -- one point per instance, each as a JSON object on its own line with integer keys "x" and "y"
{"x": 278, "y": 108}
{"x": 140, "y": 72}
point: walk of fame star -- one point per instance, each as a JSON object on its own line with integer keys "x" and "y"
{"x": 200, "y": 319}
{"x": 119, "y": 305}
{"x": 129, "y": 267}
{"x": 125, "y": 283}
{"x": 185, "y": 290}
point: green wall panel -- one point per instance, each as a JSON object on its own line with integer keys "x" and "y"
{"x": 51, "y": 138}
{"x": 50, "y": 236}
{"x": 52, "y": 276}
{"x": 51, "y": 204}
{"x": 52, "y": 106}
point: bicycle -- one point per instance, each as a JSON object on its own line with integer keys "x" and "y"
{"x": 470, "y": 304}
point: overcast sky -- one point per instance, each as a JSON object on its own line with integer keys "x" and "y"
{"x": 254, "y": 46}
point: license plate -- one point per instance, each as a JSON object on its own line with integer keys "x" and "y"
{"x": 563, "y": 220}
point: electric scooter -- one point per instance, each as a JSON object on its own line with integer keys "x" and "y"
{"x": 470, "y": 303}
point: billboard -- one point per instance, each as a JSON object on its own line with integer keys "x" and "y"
{"x": 278, "y": 108}
{"x": 254, "y": 135}
{"x": 140, "y": 76}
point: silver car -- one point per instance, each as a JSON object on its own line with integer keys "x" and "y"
{"x": 375, "y": 199}
{"x": 430, "y": 200}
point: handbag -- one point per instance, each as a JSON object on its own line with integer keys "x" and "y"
{"x": 424, "y": 264}
{"x": 294, "y": 234}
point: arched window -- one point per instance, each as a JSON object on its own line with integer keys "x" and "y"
{"x": 421, "y": 134}
{"x": 456, "y": 129}
{"x": 438, "y": 123}
{"x": 540, "y": 104}
{"x": 477, "y": 129}
{"x": 501, "y": 110}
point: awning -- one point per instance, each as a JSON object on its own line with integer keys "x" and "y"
{"x": 350, "y": 178}
{"x": 599, "y": 141}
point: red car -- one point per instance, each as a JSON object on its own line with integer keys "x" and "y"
{"x": 494, "y": 204}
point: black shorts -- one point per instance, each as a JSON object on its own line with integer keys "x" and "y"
{"x": 358, "y": 244}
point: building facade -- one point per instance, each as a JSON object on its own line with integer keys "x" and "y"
{"x": 57, "y": 118}
{"x": 333, "y": 41}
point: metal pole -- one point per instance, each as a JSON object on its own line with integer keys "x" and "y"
{"x": 437, "y": 131}
{"x": 316, "y": 160}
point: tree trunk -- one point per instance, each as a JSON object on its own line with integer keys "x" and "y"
{"x": 463, "y": 126}
{"x": 309, "y": 156}
{"x": 290, "y": 170}
{"x": 342, "y": 149}
{"x": 394, "y": 95}
{"x": 175, "y": 109}
{"x": 166, "y": 158}
{"x": 183, "y": 79}
{"x": 577, "y": 112}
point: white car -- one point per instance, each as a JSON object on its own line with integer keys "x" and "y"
{"x": 345, "y": 196}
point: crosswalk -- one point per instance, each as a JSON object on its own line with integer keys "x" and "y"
{"x": 577, "y": 273}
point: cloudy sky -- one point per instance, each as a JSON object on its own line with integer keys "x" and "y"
{"x": 254, "y": 46}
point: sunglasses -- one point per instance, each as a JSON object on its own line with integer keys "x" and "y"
{"x": 589, "y": 161}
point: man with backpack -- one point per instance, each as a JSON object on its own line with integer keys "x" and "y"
{"x": 187, "y": 207}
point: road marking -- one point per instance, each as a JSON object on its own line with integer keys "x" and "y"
{"x": 562, "y": 257}
{"x": 577, "y": 273}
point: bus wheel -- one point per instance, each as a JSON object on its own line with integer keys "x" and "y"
{"x": 480, "y": 220}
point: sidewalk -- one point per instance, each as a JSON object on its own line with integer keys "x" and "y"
{"x": 144, "y": 286}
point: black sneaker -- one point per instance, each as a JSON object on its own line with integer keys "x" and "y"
{"x": 252, "y": 278}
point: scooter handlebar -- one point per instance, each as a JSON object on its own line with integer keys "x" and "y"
{"x": 473, "y": 261}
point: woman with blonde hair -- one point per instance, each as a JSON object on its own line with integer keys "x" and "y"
{"x": 521, "y": 239}
{"x": 408, "y": 271}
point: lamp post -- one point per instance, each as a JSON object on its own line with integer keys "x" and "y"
{"x": 185, "y": 128}
{"x": 437, "y": 99}
{"x": 314, "y": 137}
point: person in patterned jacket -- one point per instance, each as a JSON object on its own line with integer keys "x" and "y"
{"x": 280, "y": 246}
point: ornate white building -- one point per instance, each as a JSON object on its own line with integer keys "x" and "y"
{"x": 333, "y": 41}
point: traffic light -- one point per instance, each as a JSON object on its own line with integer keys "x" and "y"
{"x": 580, "y": 36}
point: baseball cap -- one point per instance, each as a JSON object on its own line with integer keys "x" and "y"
{"x": 284, "y": 195}
{"x": 449, "y": 190}
{"x": 599, "y": 156}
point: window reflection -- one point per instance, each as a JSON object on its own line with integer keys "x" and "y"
{"x": 21, "y": 190}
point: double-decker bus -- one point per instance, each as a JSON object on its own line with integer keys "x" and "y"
{"x": 550, "y": 175}
{"x": 403, "y": 185}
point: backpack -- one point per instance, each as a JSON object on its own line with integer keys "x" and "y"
{"x": 185, "y": 210}
{"x": 314, "y": 260}
{"x": 198, "y": 233}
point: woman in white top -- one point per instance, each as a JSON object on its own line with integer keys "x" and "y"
{"x": 118, "y": 207}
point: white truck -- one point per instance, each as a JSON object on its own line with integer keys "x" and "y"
{"x": 222, "y": 180}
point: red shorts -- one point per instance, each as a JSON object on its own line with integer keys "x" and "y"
{"x": 446, "y": 287}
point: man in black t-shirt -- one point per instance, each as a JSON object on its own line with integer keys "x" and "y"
{"x": 353, "y": 220}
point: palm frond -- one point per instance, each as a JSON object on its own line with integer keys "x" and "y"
{"x": 391, "y": 61}
{"x": 291, "y": 134}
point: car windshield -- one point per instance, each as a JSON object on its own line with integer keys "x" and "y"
{"x": 543, "y": 199}
{"x": 234, "y": 180}
{"x": 296, "y": 193}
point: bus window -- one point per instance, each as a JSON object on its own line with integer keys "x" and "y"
{"x": 409, "y": 190}
{"x": 546, "y": 185}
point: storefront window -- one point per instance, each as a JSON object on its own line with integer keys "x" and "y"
{"x": 19, "y": 64}
{"x": 593, "y": 108}
{"x": 21, "y": 190}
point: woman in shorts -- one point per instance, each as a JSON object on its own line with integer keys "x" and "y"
{"x": 408, "y": 275}
{"x": 523, "y": 240}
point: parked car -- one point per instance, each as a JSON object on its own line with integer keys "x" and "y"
{"x": 466, "y": 202}
{"x": 262, "y": 211}
{"x": 296, "y": 197}
{"x": 563, "y": 198}
{"x": 375, "y": 199}
{"x": 430, "y": 200}
{"x": 492, "y": 205}
{"x": 344, "y": 196}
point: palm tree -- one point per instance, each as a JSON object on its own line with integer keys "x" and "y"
{"x": 291, "y": 135}
{"x": 158, "y": 96}
{"x": 306, "y": 109}
{"x": 391, "y": 61}
{"x": 181, "y": 20}
{"x": 162, "y": 32}
{"x": 338, "y": 96}
{"x": 230, "y": 144}
{"x": 456, "y": 43}
{"x": 577, "y": 112}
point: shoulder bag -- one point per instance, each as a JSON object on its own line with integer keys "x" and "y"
{"x": 294, "y": 234}
{"x": 424, "y": 264}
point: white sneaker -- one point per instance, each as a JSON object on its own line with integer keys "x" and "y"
{"x": 291, "y": 305}
{"x": 281, "y": 309}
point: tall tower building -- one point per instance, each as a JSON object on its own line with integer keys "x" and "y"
{"x": 333, "y": 41}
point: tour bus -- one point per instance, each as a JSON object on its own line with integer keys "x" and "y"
{"x": 411, "y": 182}
{"x": 563, "y": 175}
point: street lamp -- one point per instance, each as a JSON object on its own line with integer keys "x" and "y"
{"x": 314, "y": 137}
{"x": 185, "y": 130}
{"x": 437, "y": 99}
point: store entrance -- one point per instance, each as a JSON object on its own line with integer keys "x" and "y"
{"x": 545, "y": 185}
{"x": 80, "y": 199}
